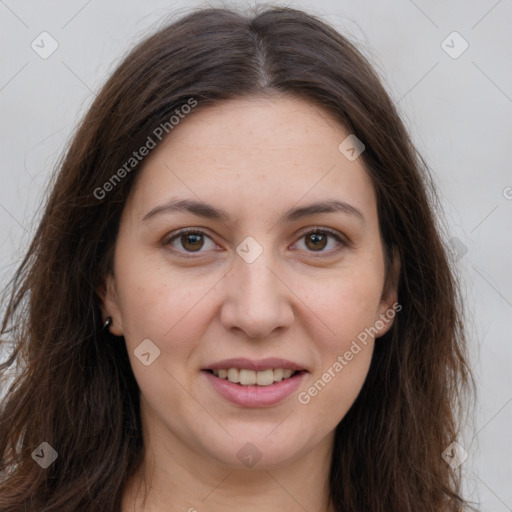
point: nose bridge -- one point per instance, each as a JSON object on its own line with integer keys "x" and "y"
{"x": 257, "y": 301}
{"x": 256, "y": 277}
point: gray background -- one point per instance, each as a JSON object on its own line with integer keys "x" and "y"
{"x": 457, "y": 109}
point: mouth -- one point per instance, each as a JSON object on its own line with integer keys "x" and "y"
{"x": 249, "y": 383}
{"x": 246, "y": 378}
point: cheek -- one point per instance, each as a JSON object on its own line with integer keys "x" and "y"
{"x": 345, "y": 358}
{"x": 164, "y": 308}
{"x": 346, "y": 303}
{"x": 330, "y": 395}
{"x": 172, "y": 312}
{"x": 160, "y": 303}
{"x": 348, "y": 307}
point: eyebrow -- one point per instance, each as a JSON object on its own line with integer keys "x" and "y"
{"x": 202, "y": 209}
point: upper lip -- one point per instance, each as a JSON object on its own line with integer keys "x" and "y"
{"x": 255, "y": 365}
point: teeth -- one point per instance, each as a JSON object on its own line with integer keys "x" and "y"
{"x": 287, "y": 374}
{"x": 278, "y": 374}
{"x": 247, "y": 377}
{"x": 232, "y": 375}
{"x": 265, "y": 378}
{"x": 251, "y": 377}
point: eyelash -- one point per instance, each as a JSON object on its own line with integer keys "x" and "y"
{"x": 323, "y": 231}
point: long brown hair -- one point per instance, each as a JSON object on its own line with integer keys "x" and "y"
{"x": 74, "y": 387}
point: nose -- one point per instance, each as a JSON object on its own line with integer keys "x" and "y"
{"x": 258, "y": 301}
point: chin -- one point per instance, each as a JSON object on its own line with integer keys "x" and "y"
{"x": 259, "y": 448}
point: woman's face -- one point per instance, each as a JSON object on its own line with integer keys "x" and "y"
{"x": 282, "y": 271}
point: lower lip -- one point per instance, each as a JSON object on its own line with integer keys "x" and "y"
{"x": 255, "y": 396}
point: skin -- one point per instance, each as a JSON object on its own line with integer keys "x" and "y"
{"x": 255, "y": 158}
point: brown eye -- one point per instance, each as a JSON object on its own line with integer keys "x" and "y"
{"x": 189, "y": 241}
{"x": 318, "y": 241}
{"x": 192, "y": 241}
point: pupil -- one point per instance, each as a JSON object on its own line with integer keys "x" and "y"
{"x": 318, "y": 240}
{"x": 194, "y": 241}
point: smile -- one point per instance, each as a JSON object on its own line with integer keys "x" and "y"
{"x": 248, "y": 392}
{"x": 250, "y": 377}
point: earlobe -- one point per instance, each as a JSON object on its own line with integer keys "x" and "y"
{"x": 110, "y": 306}
{"x": 389, "y": 305}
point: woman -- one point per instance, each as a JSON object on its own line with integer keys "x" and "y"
{"x": 237, "y": 296}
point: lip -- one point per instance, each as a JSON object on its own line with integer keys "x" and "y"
{"x": 254, "y": 396}
{"x": 257, "y": 365}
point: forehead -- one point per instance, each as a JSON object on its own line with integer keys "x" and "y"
{"x": 253, "y": 153}
{"x": 254, "y": 123}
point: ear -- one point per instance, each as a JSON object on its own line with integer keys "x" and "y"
{"x": 389, "y": 305}
{"x": 110, "y": 305}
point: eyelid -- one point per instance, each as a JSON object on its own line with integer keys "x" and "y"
{"x": 339, "y": 237}
{"x": 167, "y": 240}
